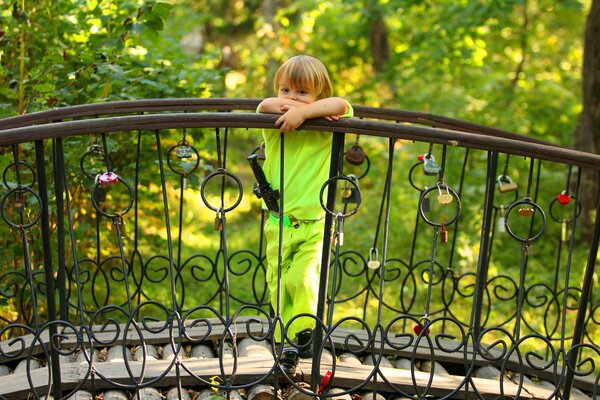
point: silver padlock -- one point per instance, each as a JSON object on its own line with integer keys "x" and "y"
{"x": 430, "y": 167}
{"x": 373, "y": 262}
{"x": 184, "y": 150}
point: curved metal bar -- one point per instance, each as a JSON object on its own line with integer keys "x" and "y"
{"x": 516, "y": 146}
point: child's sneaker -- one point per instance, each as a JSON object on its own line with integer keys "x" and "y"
{"x": 289, "y": 360}
{"x": 304, "y": 340}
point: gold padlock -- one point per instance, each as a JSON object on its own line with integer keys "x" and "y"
{"x": 505, "y": 184}
{"x": 444, "y": 198}
{"x": 346, "y": 193}
{"x": 526, "y": 211}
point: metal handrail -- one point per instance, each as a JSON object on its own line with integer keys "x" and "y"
{"x": 516, "y": 145}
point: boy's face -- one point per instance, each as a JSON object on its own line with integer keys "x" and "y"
{"x": 303, "y": 95}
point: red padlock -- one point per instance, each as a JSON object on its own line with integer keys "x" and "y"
{"x": 563, "y": 198}
{"x": 108, "y": 179}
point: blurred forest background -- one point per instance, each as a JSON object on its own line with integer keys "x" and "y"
{"x": 526, "y": 66}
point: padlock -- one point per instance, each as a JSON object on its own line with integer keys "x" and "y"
{"x": 373, "y": 262}
{"x": 346, "y": 192}
{"x": 95, "y": 150}
{"x": 564, "y": 198}
{"x": 444, "y": 198}
{"x": 108, "y": 179}
{"x": 502, "y": 221}
{"x": 218, "y": 222}
{"x": 339, "y": 232}
{"x": 425, "y": 204}
{"x": 430, "y": 167}
{"x": 355, "y": 155}
{"x": 564, "y": 232}
{"x": 183, "y": 150}
{"x": 526, "y": 211}
{"x": 505, "y": 184}
{"x": 19, "y": 203}
{"x": 444, "y": 234}
{"x": 118, "y": 225}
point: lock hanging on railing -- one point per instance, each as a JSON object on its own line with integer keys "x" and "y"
{"x": 444, "y": 198}
{"x": 373, "y": 262}
{"x": 183, "y": 150}
{"x": 349, "y": 192}
{"x": 505, "y": 184}
{"x": 502, "y": 220}
{"x": 355, "y": 155}
{"x": 430, "y": 167}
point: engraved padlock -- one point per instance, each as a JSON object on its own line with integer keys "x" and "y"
{"x": 505, "y": 184}
{"x": 430, "y": 167}
{"x": 95, "y": 150}
{"x": 444, "y": 198}
{"x": 373, "y": 262}
{"x": 355, "y": 155}
{"x": 183, "y": 150}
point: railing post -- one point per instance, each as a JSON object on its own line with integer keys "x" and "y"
{"x": 337, "y": 149}
{"x": 586, "y": 292}
{"x": 59, "y": 166}
{"x": 485, "y": 242}
{"x": 48, "y": 269}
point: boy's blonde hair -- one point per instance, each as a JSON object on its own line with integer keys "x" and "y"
{"x": 305, "y": 72}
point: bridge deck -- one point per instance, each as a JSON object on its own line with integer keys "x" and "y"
{"x": 247, "y": 369}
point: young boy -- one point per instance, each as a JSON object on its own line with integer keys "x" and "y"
{"x": 304, "y": 91}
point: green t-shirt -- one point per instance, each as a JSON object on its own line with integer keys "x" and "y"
{"x": 306, "y": 165}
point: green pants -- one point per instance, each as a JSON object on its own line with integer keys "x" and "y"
{"x": 300, "y": 266}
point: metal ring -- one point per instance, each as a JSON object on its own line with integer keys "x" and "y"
{"x": 221, "y": 171}
{"x": 358, "y": 201}
{"x": 116, "y": 214}
{"x": 21, "y": 189}
{"x": 440, "y": 186}
{"x": 89, "y": 153}
{"x": 529, "y": 202}
{"x": 555, "y": 201}
{"x": 12, "y": 164}
{"x": 174, "y": 148}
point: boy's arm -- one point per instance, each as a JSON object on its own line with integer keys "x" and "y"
{"x": 272, "y": 105}
{"x": 295, "y": 113}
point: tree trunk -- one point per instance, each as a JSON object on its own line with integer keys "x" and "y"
{"x": 587, "y": 133}
{"x": 378, "y": 37}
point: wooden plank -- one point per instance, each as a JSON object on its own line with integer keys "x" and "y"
{"x": 423, "y": 352}
{"x": 251, "y": 369}
{"x": 351, "y": 375}
{"x": 217, "y": 331}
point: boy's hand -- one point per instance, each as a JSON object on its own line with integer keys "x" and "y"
{"x": 291, "y": 119}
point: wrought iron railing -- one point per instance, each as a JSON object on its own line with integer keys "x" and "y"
{"x": 138, "y": 218}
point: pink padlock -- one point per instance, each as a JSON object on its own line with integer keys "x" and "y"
{"x": 108, "y": 179}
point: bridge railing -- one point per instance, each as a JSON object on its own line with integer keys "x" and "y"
{"x": 463, "y": 246}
